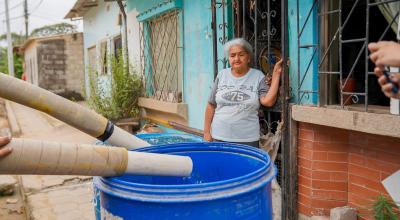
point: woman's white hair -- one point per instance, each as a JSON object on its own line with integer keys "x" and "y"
{"x": 238, "y": 42}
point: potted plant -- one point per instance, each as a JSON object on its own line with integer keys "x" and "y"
{"x": 350, "y": 87}
{"x": 116, "y": 95}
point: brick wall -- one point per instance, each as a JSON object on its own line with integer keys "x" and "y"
{"x": 338, "y": 167}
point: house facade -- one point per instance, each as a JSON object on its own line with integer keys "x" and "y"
{"x": 339, "y": 138}
{"x": 55, "y": 63}
{"x": 102, "y": 37}
{"x": 347, "y": 138}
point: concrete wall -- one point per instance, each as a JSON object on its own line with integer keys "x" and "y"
{"x": 30, "y": 59}
{"x": 52, "y": 65}
{"x": 133, "y": 39}
{"x": 56, "y": 63}
{"x": 74, "y": 69}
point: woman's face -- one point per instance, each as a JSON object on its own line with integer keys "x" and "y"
{"x": 238, "y": 57}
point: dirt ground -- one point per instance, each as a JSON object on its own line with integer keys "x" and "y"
{"x": 11, "y": 207}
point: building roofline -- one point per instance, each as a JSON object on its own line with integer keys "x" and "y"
{"x": 32, "y": 39}
{"x": 80, "y": 8}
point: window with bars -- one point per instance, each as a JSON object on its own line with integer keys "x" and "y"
{"x": 161, "y": 57}
{"x": 117, "y": 45}
{"x": 91, "y": 56}
{"x": 345, "y": 72}
{"x": 103, "y": 58}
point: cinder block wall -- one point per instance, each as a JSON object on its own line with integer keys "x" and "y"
{"x": 60, "y": 65}
{"x": 74, "y": 62}
{"x": 340, "y": 167}
{"x": 51, "y": 65}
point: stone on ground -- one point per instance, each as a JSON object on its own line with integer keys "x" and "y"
{"x": 7, "y": 184}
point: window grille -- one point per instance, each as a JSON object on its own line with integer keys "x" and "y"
{"x": 161, "y": 57}
{"x": 344, "y": 29}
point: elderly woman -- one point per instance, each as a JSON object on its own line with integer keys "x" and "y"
{"x": 232, "y": 109}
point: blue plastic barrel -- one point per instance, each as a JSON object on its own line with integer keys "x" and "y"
{"x": 153, "y": 139}
{"x": 229, "y": 181}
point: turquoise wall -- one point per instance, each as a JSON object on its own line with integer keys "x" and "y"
{"x": 308, "y": 37}
{"x": 198, "y": 74}
{"x": 198, "y": 58}
{"x": 142, "y": 5}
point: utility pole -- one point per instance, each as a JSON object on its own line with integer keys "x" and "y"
{"x": 9, "y": 41}
{"x": 26, "y": 19}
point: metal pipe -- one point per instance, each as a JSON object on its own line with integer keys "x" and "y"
{"x": 340, "y": 53}
{"x": 214, "y": 30}
{"x": 125, "y": 25}
{"x": 256, "y": 33}
{"x": 244, "y": 18}
{"x": 366, "y": 55}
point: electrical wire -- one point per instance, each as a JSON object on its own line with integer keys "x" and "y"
{"x": 45, "y": 18}
{"x": 13, "y": 7}
{"x": 36, "y": 7}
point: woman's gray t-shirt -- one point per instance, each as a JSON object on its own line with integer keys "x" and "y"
{"x": 237, "y": 103}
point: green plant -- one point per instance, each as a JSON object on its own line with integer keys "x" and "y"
{"x": 18, "y": 69}
{"x": 115, "y": 96}
{"x": 54, "y": 29}
{"x": 383, "y": 209}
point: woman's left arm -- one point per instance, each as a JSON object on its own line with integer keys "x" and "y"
{"x": 270, "y": 98}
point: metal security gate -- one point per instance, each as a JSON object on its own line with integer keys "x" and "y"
{"x": 263, "y": 23}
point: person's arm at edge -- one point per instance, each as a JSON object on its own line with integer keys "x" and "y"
{"x": 4, "y": 151}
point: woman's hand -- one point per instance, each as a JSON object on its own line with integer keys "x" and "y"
{"x": 4, "y": 151}
{"x": 207, "y": 136}
{"x": 270, "y": 98}
{"x": 276, "y": 75}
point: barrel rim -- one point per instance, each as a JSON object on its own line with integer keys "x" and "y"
{"x": 171, "y": 193}
{"x": 205, "y": 146}
{"x": 163, "y": 198}
{"x": 191, "y": 137}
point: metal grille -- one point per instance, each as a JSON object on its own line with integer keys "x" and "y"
{"x": 262, "y": 23}
{"x": 259, "y": 22}
{"x": 345, "y": 29}
{"x": 160, "y": 57}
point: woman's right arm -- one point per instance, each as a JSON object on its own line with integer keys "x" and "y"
{"x": 210, "y": 110}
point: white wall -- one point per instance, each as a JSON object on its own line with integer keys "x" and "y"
{"x": 133, "y": 39}
{"x": 100, "y": 24}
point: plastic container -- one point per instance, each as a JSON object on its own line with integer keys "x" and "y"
{"x": 153, "y": 139}
{"x": 229, "y": 181}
